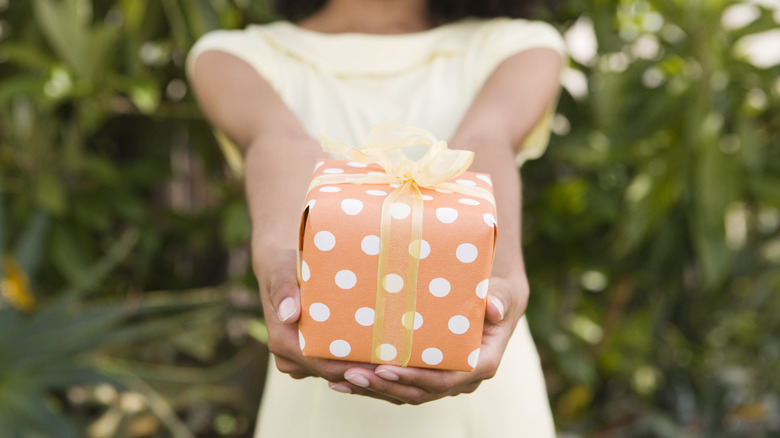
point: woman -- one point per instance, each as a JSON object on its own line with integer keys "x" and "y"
{"x": 487, "y": 85}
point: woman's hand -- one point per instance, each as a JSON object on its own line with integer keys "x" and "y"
{"x": 507, "y": 300}
{"x": 277, "y": 273}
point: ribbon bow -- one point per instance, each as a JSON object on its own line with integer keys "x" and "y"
{"x": 401, "y": 221}
{"x": 384, "y": 146}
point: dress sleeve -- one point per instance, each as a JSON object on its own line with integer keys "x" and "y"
{"x": 511, "y": 36}
{"x": 246, "y": 45}
{"x": 251, "y": 48}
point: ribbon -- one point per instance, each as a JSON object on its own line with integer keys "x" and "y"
{"x": 401, "y": 221}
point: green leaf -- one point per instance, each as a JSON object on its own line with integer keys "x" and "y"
{"x": 59, "y": 22}
{"x": 30, "y": 248}
{"x": 258, "y": 330}
{"x": 23, "y": 85}
{"x": 67, "y": 253}
{"x": 50, "y": 194}
{"x": 26, "y": 56}
{"x": 145, "y": 95}
{"x": 235, "y": 227}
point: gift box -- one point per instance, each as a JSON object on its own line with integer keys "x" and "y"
{"x": 395, "y": 254}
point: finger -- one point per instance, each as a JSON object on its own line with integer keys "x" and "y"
{"x": 284, "y": 293}
{"x": 348, "y": 388}
{"x": 495, "y": 310}
{"x": 362, "y": 380}
{"x": 431, "y": 381}
{"x": 505, "y": 299}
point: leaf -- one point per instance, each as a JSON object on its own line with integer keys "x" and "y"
{"x": 60, "y": 25}
{"x": 716, "y": 184}
{"x": 67, "y": 253}
{"x": 30, "y": 248}
{"x": 91, "y": 278}
{"x": 20, "y": 86}
{"x": 50, "y": 195}
{"x": 235, "y": 227}
{"x": 32, "y": 418}
{"x": 26, "y": 56}
{"x": 146, "y": 96}
{"x": 258, "y": 330}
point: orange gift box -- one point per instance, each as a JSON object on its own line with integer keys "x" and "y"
{"x": 377, "y": 288}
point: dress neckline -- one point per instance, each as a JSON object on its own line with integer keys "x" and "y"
{"x": 376, "y": 36}
{"x": 355, "y": 54}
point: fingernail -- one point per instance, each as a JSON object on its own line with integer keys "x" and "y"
{"x": 340, "y": 387}
{"x": 387, "y": 375}
{"x": 500, "y": 306}
{"x": 357, "y": 379}
{"x": 287, "y": 309}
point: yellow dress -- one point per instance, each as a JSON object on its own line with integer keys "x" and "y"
{"x": 339, "y": 85}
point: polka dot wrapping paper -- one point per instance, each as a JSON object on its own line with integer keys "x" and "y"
{"x": 339, "y": 255}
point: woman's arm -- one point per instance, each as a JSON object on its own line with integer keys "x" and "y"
{"x": 279, "y": 157}
{"x": 512, "y": 101}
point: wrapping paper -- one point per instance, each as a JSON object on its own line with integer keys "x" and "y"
{"x": 395, "y": 272}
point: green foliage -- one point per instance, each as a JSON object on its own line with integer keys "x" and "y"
{"x": 101, "y": 140}
{"x": 652, "y": 227}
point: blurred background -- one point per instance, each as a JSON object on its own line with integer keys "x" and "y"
{"x": 652, "y": 226}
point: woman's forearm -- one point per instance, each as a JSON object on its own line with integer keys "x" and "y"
{"x": 494, "y": 155}
{"x": 278, "y": 168}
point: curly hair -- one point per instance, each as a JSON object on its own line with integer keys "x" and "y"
{"x": 443, "y": 10}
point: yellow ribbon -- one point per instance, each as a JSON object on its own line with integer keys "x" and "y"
{"x": 401, "y": 223}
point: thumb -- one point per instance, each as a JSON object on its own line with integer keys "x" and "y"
{"x": 504, "y": 298}
{"x": 283, "y": 291}
{"x": 496, "y": 309}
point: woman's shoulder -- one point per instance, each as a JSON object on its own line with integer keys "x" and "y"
{"x": 517, "y": 34}
{"x": 247, "y": 44}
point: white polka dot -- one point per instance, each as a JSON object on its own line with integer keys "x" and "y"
{"x": 340, "y": 348}
{"x": 468, "y": 201}
{"x": 370, "y": 244}
{"x": 425, "y": 248}
{"x": 432, "y": 356}
{"x": 474, "y": 358}
{"x": 443, "y": 191}
{"x": 346, "y": 279}
{"x": 458, "y": 324}
{"x": 486, "y": 179}
{"x": 305, "y": 272}
{"x": 418, "y": 320}
{"x": 365, "y": 316}
{"x": 376, "y": 193}
{"x": 387, "y": 352}
{"x": 399, "y": 210}
{"x": 330, "y": 189}
{"x": 301, "y": 341}
{"x": 395, "y": 186}
{"x": 489, "y": 219}
{"x": 446, "y": 215}
{"x": 427, "y": 198}
{"x": 482, "y": 288}
{"x": 466, "y": 252}
{"x": 466, "y": 182}
{"x": 439, "y": 287}
{"x": 319, "y": 312}
{"x": 324, "y": 240}
{"x": 318, "y": 165}
{"x": 310, "y": 204}
{"x": 351, "y": 206}
{"x": 333, "y": 170}
{"x": 356, "y": 164}
{"x": 393, "y": 283}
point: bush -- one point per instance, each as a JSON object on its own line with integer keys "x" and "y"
{"x": 652, "y": 226}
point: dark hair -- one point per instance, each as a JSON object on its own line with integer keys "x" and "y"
{"x": 440, "y": 10}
